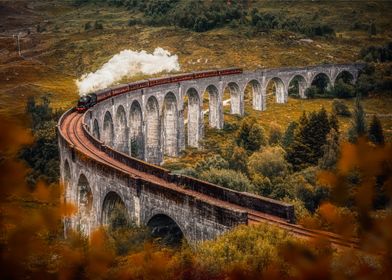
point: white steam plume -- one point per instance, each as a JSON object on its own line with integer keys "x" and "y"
{"x": 127, "y": 63}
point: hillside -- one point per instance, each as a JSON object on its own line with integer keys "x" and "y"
{"x": 57, "y": 49}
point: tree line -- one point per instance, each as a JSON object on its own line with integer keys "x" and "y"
{"x": 202, "y": 16}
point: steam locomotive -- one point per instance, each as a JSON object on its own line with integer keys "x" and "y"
{"x": 91, "y": 99}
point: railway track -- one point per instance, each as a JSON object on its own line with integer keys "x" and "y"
{"x": 71, "y": 129}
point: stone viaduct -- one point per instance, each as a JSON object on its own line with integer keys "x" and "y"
{"x": 104, "y": 152}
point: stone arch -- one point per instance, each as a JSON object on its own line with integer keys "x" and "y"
{"x": 235, "y": 98}
{"x": 346, "y": 76}
{"x": 279, "y": 89}
{"x": 166, "y": 229}
{"x": 121, "y": 142}
{"x": 136, "y": 130}
{"x": 322, "y": 81}
{"x": 214, "y": 109}
{"x": 153, "y": 131}
{"x": 96, "y": 132}
{"x": 257, "y": 97}
{"x": 193, "y": 123}
{"x": 113, "y": 205}
{"x": 297, "y": 86}
{"x": 108, "y": 129}
{"x": 170, "y": 124}
{"x": 85, "y": 205}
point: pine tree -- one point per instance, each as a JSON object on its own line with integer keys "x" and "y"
{"x": 251, "y": 135}
{"x": 297, "y": 152}
{"x": 358, "y": 127}
{"x": 256, "y": 138}
{"x": 376, "y": 134}
{"x": 275, "y": 135}
{"x": 331, "y": 151}
{"x": 309, "y": 139}
{"x": 288, "y": 136}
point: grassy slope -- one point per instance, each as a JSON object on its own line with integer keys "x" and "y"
{"x": 65, "y": 50}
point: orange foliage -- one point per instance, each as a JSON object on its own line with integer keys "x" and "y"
{"x": 32, "y": 244}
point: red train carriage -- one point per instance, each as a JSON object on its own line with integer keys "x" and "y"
{"x": 138, "y": 85}
{"x": 206, "y": 74}
{"x": 182, "y": 77}
{"x": 160, "y": 81}
{"x": 103, "y": 94}
{"x": 230, "y": 71}
{"x": 120, "y": 89}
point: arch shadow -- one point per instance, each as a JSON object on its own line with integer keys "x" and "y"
{"x": 166, "y": 230}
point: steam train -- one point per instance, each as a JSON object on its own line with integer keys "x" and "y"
{"x": 91, "y": 99}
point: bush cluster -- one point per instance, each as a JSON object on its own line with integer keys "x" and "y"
{"x": 264, "y": 22}
{"x": 377, "y": 53}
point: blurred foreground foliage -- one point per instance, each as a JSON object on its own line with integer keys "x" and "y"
{"x": 43, "y": 155}
{"x": 344, "y": 199}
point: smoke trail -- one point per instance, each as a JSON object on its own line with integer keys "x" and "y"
{"x": 127, "y": 63}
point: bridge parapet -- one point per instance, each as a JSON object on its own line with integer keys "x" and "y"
{"x": 257, "y": 203}
{"x": 249, "y": 201}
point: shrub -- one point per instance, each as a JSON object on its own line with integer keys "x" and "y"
{"x": 254, "y": 247}
{"x": 270, "y": 163}
{"x": 304, "y": 186}
{"x": 342, "y": 90}
{"x": 312, "y": 91}
{"x": 377, "y": 53}
{"x": 123, "y": 233}
{"x": 227, "y": 178}
{"x": 98, "y": 25}
{"x": 376, "y": 134}
{"x": 208, "y": 163}
{"x": 340, "y": 109}
{"x": 238, "y": 160}
{"x": 133, "y": 21}
{"x": 87, "y": 26}
{"x": 275, "y": 135}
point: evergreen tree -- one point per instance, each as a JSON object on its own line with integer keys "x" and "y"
{"x": 275, "y": 135}
{"x": 288, "y": 136}
{"x": 309, "y": 139}
{"x": 358, "y": 127}
{"x": 256, "y": 138}
{"x": 297, "y": 152}
{"x": 376, "y": 134}
{"x": 331, "y": 151}
{"x": 251, "y": 135}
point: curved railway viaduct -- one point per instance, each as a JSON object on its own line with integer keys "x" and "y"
{"x": 108, "y": 155}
